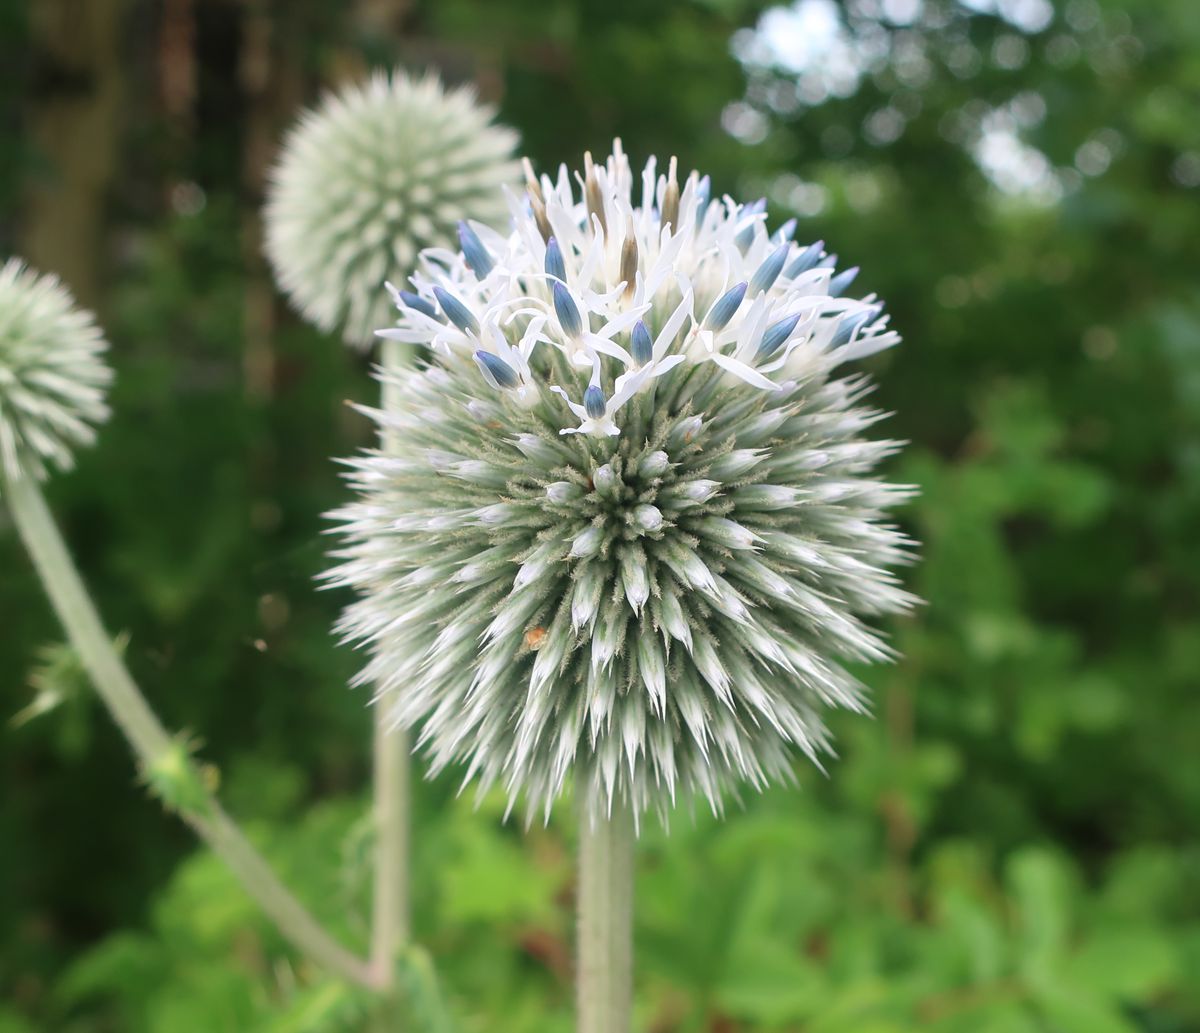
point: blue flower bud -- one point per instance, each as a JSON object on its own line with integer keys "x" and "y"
{"x": 495, "y": 370}
{"x": 555, "y": 265}
{"x": 829, "y": 261}
{"x": 418, "y": 304}
{"x": 567, "y": 310}
{"x": 839, "y": 283}
{"x": 593, "y": 401}
{"x": 473, "y": 250}
{"x": 806, "y": 260}
{"x": 746, "y": 233}
{"x": 725, "y": 307}
{"x": 643, "y": 344}
{"x": 769, "y": 271}
{"x": 456, "y": 311}
{"x": 775, "y": 336}
{"x": 849, "y": 326}
{"x": 703, "y": 192}
{"x": 786, "y": 231}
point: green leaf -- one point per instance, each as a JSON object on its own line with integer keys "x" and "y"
{"x": 420, "y": 995}
{"x": 125, "y": 963}
{"x": 1041, "y": 885}
{"x": 488, "y": 878}
{"x": 11, "y": 1022}
{"x": 977, "y": 935}
{"x": 771, "y": 982}
{"x": 1124, "y": 963}
{"x": 1070, "y": 1009}
{"x": 329, "y": 1007}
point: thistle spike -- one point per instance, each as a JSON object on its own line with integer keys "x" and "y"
{"x": 474, "y": 251}
{"x": 767, "y": 273}
{"x": 629, "y": 259}
{"x": 555, "y": 265}
{"x": 418, "y": 304}
{"x": 643, "y": 344}
{"x": 838, "y": 285}
{"x": 806, "y": 260}
{"x": 457, "y": 312}
{"x": 594, "y": 401}
{"x": 595, "y": 199}
{"x": 496, "y": 371}
{"x": 670, "y": 204}
{"x": 775, "y": 336}
{"x": 566, "y": 310}
{"x": 724, "y": 307}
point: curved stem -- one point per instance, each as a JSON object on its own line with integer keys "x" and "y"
{"x": 150, "y": 740}
{"x": 392, "y": 789}
{"x": 604, "y": 966}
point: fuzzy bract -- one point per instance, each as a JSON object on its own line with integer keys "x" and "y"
{"x": 373, "y": 175}
{"x": 626, "y": 525}
{"x": 53, "y": 374}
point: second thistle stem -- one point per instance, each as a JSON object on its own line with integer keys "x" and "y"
{"x": 389, "y": 919}
{"x": 392, "y": 787}
{"x": 150, "y": 740}
{"x": 604, "y": 962}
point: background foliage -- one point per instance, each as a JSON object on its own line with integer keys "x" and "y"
{"x": 1011, "y": 846}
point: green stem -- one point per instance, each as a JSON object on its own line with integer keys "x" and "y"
{"x": 389, "y": 925}
{"x": 604, "y": 966}
{"x": 392, "y": 788}
{"x": 150, "y": 740}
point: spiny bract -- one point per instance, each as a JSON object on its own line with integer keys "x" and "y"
{"x": 625, "y": 523}
{"x": 374, "y": 174}
{"x": 53, "y": 377}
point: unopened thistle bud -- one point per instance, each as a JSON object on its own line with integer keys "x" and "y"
{"x": 53, "y": 376}
{"x": 370, "y": 177}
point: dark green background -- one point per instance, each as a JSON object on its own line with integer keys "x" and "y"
{"x": 1012, "y": 844}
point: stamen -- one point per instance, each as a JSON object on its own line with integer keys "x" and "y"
{"x": 670, "y": 205}
{"x": 591, "y": 189}
{"x": 629, "y": 259}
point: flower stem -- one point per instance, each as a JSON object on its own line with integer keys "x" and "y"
{"x": 392, "y": 790}
{"x": 604, "y": 966}
{"x": 389, "y": 924}
{"x": 150, "y": 740}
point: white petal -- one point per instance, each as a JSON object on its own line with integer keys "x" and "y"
{"x": 747, "y": 373}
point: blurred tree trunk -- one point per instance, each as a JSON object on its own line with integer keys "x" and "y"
{"x": 261, "y": 126}
{"x": 75, "y": 127}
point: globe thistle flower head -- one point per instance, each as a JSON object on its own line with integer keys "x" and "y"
{"x": 626, "y": 527}
{"x": 373, "y": 175}
{"x": 53, "y": 376}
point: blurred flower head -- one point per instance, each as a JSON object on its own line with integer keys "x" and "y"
{"x": 626, "y": 522}
{"x": 373, "y": 175}
{"x": 53, "y": 376}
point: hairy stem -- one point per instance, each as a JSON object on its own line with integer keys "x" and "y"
{"x": 604, "y": 966}
{"x": 392, "y": 791}
{"x": 150, "y": 740}
{"x": 389, "y": 926}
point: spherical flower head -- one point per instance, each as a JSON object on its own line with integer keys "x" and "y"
{"x": 373, "y": 175}
{"x": 53, "y": 377}
{"x": 626, "y": 523}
